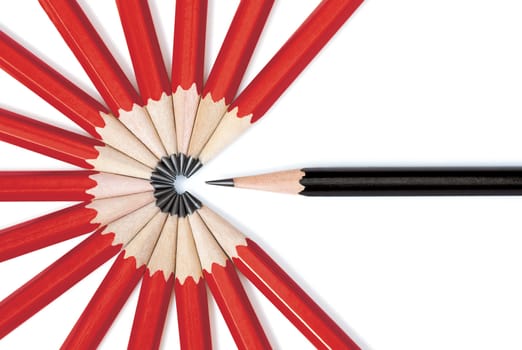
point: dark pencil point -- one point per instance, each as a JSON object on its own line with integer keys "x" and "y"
{"x": 194, "y": 168}
{"x": 223, "y": 182}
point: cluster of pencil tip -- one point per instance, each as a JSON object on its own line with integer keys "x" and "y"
{"x": 168, "y": 199}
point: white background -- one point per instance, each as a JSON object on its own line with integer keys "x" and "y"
{"x": 405, "y": 82}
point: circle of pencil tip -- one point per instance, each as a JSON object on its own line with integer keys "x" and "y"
{"x": 163, "y": 181}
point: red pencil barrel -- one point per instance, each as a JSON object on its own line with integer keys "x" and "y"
{"x": 144, "y": 48}
{"x": 237, "y": 311}
{"x": 189, "y": 44}
{"x": 46, "y": 230}
{"x": 52, "y": 282}
{"x": 105, "y": 305}
{"x": 237, "y": 49}
{"x": 92, "y": 53}
{"x": 193, "y": 318}
{"x": 293, "y": 57}
{"x": 47, "y": 139}
{"x": 50, "y": 85}
{"x": 46, "y": 186}
{"x": 151, "y": 312}
{"x": 290, "y": 299}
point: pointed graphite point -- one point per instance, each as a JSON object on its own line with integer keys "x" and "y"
{"x": 188, "y": 165}
{"x": 198, "y": 165}
{"x": 165, "y": 171}
{"x": 163, "y": 200}
{"x": 182, "y": 159}
{"x": 175, "y": 206}
{"x": 182, "y": 211}
{"x": 168, "y": 206}
{"x": 168, "y": 163}
{"x": 175, "y": 163}
{"x": 156, "y": 176}
{"x": 193, "y": 201}
{"x": 223, "y": 182}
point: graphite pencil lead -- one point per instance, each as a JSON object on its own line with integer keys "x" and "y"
{"x": 198, "y": 165}
{"x": 156, "y": 176}
{"x": 182, "y": 211}
{"x": 175, "y": 206}
{"x": 175, "y": 163}
{"x": 182, "y": 158}
{"x": 168, "y": 163}
{"x": 165, "y": 171}
{"x": 188, "y": 165}
{"x": 222, "y": 182}
{"x": 188, "y": 205}
{"x": 194, "y": 202}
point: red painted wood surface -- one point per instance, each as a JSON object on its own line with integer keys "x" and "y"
{"x": 46, "y": 185}
{"x": 105, "y": 305}
{"x": 293, "y": 57}
{"x": 144, "y": 48}
{"x": 235, "y": 307}
{"x": 151, "y": 311}
{"x": 92, "y": 53}
{"x": 193, "y": 317}
{"x": 46, "y": 230}
{"x": 52, "y": 282}
{"x": 237, "y": 49}
{"x": 189, "y": 44}
{"x": 291, "y": 299}
{"x": 47, "y": 139}
{"x": 50, "y": 85}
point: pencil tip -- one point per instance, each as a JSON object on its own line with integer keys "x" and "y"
{"x": 223, "y": 182}
{"x": 194, "y": 167}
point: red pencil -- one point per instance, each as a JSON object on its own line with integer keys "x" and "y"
{"x": 115, "y": 289}
{"x": 67, "y": 223}
{"x": 71, "y": 268}
{"x": 191, "y": 293}
{"x": 277, "y": 286}
{"x": 224, "y": 283}
{"x": 156, "y": 290}
{"x": 228, "y": 69}
{"x": 69, "y": 99}
{"x": 280, "y": 72}
{"x": 105, "y": 73}
{"x": 187, "y": 65}
{"x": 149, "y": 68}
{"x": 67, "y": 185}
{"x": 67, "y": 146}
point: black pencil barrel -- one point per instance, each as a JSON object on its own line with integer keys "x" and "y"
{"x": 411, "y": 181}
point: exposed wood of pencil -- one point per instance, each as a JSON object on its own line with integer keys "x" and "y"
{"x": 149, "y": 68}
{"x": 407, "y": 181}
{"x": 191, "y": 293}
{"x": 223, "y": 281}
{"x": 228, "y": 69}
{"x": 67, "y": 146}
{"x": 156, "y": 291}
{"x": 66, "y": 224}
{"x": 115, "y": 289}
{"x": 67, "y": 185}
{"x": 280, "y": 72}
{"x": 187, "y": 65}
{"x": 69, "y": 99}
{"x": 70, "y": 269}
{"x": 277, "y": 285}
{"x": 105, "y": 73}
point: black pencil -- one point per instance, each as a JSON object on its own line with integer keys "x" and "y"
{"x": 385, "y": 181}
